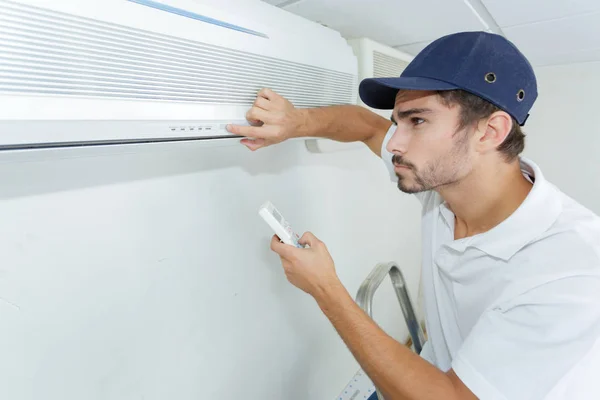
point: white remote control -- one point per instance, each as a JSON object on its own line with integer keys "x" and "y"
{"x": 281, "y": 227}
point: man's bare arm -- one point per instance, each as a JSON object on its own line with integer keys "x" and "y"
{"x": 275, "y": 119}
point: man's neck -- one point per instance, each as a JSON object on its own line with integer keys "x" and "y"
{"x": 486, "y": 198}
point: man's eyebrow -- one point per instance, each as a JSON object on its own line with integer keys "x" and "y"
{"x": 407, "y": 113}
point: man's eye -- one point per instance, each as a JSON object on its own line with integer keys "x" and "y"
{"x": 417, "y": 121}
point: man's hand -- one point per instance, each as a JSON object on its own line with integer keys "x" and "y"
{"x": 274, "y": 120}
{"x": 310, "y": 269}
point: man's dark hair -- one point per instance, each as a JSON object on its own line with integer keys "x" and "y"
{"x": 474, "y": 109}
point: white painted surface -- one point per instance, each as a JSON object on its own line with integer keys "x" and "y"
{"x": 516, "y": 12}
{"x": 390, "y": 22}
{"x": 414, "y": 48}
{"x": 144, "y": 272}
{"x": 548, "y": 31}
{"x": 250, "y": 14}
{"x": 563, "y": 132}
{"x": 561, "y": 41}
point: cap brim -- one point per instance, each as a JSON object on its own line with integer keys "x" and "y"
{"x": 380, "y": 93}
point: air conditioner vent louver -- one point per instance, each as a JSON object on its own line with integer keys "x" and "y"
{"x": 387, "y": 66}
{"x": 44, "y": 52}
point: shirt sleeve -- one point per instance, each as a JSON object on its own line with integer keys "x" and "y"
{"x": 520, "y": 350}
{"x": 426, "y": 353}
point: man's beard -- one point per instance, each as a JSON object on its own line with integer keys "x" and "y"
{"x": 419, "y": 183}
{"x": 443, "y": 171}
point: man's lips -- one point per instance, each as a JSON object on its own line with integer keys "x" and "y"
{"x": 401, "y": 167}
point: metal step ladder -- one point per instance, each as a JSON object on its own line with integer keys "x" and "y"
{"x": 366, "y": 292}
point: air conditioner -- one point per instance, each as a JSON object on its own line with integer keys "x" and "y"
{"x": 376, "y": 60}
{"x": 76, "y": 72}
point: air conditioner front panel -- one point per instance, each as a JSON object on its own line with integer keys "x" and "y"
{"x": 66, "y": 66}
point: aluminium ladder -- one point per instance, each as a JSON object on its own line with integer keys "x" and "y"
{"x": 366, "y": 292}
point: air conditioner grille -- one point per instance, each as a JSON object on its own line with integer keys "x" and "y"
{"x": 43, "y": 52}
{"x": 387, "y": 66}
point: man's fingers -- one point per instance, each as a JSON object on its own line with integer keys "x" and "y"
{"x": 284, "y": 250}
{"x": 267, "y": 118}
{"x": 249, "y": 131}
{"x": 254, "y": 144}
{"x": 255, "y": 122}
{"x": 308, "y": 239}
{"x": 257, "y": 114}
{"x": 267, "y": 93}
{"x": 275, "y": 243}
{"x": 263, "y": 103}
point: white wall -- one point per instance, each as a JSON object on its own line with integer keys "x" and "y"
{"x": 563, "y": 132}
{"x": 144, "y": 272}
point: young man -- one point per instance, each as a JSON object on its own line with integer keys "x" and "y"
{"x": 511, "y": 266}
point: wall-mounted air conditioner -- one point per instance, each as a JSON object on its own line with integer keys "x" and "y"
{"x": 78, "y": 72}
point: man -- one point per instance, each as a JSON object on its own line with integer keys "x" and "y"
{"x": 511, "y": 266}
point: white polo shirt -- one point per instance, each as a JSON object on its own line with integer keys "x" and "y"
{"x": 515, "y": 311}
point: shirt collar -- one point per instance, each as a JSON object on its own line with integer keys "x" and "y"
{"x": 535, "y": 215}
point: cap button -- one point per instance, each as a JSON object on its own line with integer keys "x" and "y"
{"x": 490, "y": 77}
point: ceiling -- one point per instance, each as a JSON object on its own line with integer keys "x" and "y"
{"x": 548, "y": 32}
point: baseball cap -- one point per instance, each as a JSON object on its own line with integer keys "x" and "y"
{"x": 484, "y": 64}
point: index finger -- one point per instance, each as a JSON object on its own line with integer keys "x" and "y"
{"x": 242, "y": 130}
{"x": 284, "y": 250}
{"x": 308, "y": 238}
{"x": 267, "y": 93}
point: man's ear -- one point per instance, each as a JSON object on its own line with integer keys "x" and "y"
{"x": 493, "y": 131}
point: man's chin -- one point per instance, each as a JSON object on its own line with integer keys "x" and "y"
{"x": 408, "y": 188}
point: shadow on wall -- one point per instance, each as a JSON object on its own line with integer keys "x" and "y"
{"x": 32, "y": 172}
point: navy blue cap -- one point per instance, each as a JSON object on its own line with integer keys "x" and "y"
{"x": 484, "y": 64}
